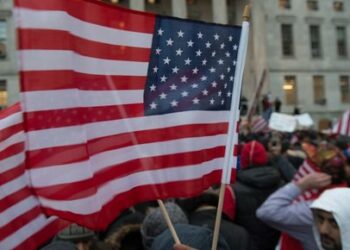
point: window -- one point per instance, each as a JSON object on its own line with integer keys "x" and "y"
{"x": 312, "y": 5}
{"x": 344, "y": 89}
{"x": 287, "y": 40}
{"x": 284, "y": 4}
{"x": 341, "y": 41}
{"x": 3, "y": 94}
{"x": 315, "y": 41}
{"x": 319, "y": 90}
{"x": 3, "y": 36}
{"x": 290, "y": 90}
{"x": 338, "y": 6}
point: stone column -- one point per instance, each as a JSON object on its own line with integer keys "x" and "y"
{"x": 219, "y": 11}
{"x": 137, "y": 5}
{"x": 179, "y": 8}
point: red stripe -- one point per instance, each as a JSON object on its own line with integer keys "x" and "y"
{"x": 347, "y": 132}
{"x": 11, "y": 174}
{"x": 96, "y": 12}
{"x": 10, "y": 110}
{"x": 74, "y": 153}
{"x": 340, "y": 124}
{"x": 62, "y": 40}
{"x": 17, "y": 223}
{"x": 43, "y": 235}
{"x": 14, "y": 198}
{"x": 11, "y": 150}
{"x": 65, "y": 79}
{"x": 88, "y": 187}
{"x": 139, "y": 194}
{"x": 59, "y": 118}
{"x": 10, "y": 131}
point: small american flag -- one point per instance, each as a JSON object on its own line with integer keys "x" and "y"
{"x": 122, "y": 106}
{"x": 343, "y": 125}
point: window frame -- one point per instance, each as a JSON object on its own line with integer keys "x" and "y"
{"x": 315, "y": 41}
{"x": 287, "y": 40}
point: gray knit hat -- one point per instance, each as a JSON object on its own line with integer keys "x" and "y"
{"x": 60, "y": 245}
{"x": 154, "y": 223}
{"x": 194, "y": 236}
{"x": 75, "y": 233}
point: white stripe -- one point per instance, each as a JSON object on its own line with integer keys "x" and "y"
{"x": 113, "y": 188}
{"x": 14, "y": 139}
{"x": 69, "y": 60}
{"x": 12, "y": 162}
{"x": 60, "y": 20}
{"x": 12, "y": 186}
{"x": 302, "y": 172}
{"x": 73, "y": 98}
{"x": 345, "y": 121}
{"x": 11, "y": 120}
{"x": 74, "y": 172}
{"x": 80, "y": 134}
{"x": 17, "y": 210}
{"x": 308, "y": 167}
{"x": 25, "y": 232}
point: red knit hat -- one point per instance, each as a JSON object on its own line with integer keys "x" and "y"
{"x": 253, "y": 154}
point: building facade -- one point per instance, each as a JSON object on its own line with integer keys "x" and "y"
{"x": 303, "y": 45}
{"x": 9, "y": 87}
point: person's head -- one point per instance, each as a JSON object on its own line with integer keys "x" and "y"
{"x": 331, "y": 161}
{"x": 346, "y": 153}
{"x": 328, "y": 229}
{"x": 253, "y": 154}
{"x": 332, "y": 219}
{"x": 154, "y": 222}
{"x": 82, "y": 237}
{"x": 193, "y": 237}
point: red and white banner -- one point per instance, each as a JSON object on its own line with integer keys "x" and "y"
{"x": 22, "y": 224}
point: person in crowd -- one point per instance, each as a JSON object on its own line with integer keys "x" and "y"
{"x": 281, "y": 210}
{"x": 154, "y": 223}
{"x": 60, "y": 245}
{"x": 83, "y": 238}
{"x": 201, "y": 212}
{"x": 331, "y": 212}
{"x": 256, "y": 180}
{"x": 278, "y": 158}
{"x": 124, "y": 233}
{"x": 191, "y": 237}
{"x": 346, "y": 152}
{"x": 277, "y": 103}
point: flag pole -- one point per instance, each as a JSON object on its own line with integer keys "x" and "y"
{"x": 168, "y": 221}
{"x": 232, "y": 136}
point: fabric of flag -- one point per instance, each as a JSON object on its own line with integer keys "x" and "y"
{"x": 342, "y": 127}
{"x": 22, "y": 224}
{"x": 121, "y": 106}
{"x": 259, "y": 124}
{"x": 307, "y": 167}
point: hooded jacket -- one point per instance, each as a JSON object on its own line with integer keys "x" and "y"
{"x": 336, "y": 201}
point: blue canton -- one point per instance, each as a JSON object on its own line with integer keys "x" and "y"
{"x": 192, "y": 66}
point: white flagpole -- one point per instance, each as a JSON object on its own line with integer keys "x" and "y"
{"x": 232, "y": 136}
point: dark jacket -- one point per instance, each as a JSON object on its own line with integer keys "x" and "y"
{"x": 252, "y": 188}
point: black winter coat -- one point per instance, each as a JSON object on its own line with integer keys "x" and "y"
{"x": 252, "y": 188}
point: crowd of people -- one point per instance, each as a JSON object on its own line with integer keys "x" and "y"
{"x": 291, "y": 192}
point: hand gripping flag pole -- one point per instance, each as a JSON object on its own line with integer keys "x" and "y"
{"x": 232, "y": 136}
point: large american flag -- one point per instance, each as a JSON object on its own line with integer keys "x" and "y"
{"x": 121, "y": 106}
{"x": 22, "y": 224}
